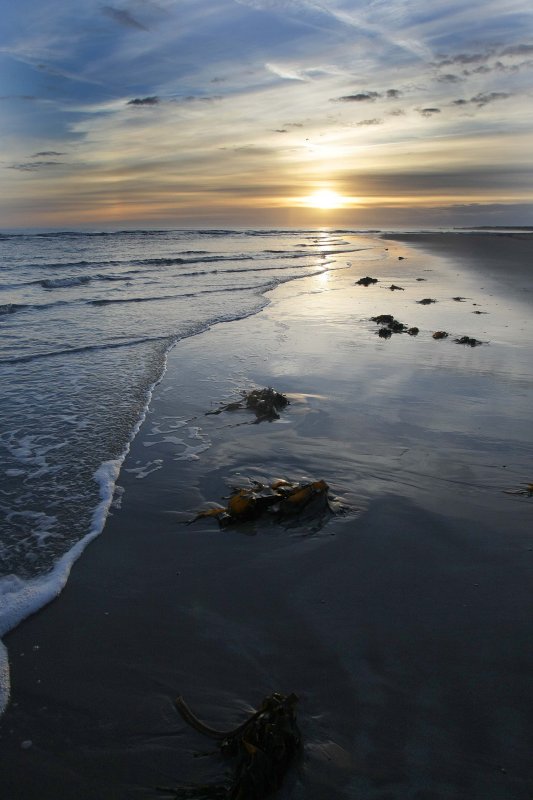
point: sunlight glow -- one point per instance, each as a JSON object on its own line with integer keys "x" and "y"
{"x": 325, "y": 199}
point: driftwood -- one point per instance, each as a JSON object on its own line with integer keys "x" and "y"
{"x": 263, "y": 748}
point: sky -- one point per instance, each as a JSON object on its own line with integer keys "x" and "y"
{"x": 227, "y": 113}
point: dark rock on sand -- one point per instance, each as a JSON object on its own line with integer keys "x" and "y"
{"x": 459, "y": 299}
{"x": 384, "y": 333}
{"x": 393, "y": 288}
{"x": 413, "y": 331}
{"x": 426, "y": 301}
{"x": 440, "y": 335}
{"x": 401, "y": 258}
{"x": 366, "y": 281}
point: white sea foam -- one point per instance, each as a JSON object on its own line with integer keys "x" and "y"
{"x": 20, "y": 598}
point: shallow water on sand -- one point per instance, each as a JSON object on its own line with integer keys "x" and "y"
{"x": 396, "y": 623}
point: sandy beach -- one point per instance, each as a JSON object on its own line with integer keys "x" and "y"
{"x": 403, "y": 624}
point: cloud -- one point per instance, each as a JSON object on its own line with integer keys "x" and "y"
{"x": 45, "y": 153}
{"x": 123, "y": 17}
{"x": 144, "y": 101}
{"x": 370, "y": 122}
{"x": 482, "y": 99}
{"x": 518, "y": 50}
{"x": 397, "y": 112}
{"x": 462, "y": 58}
{"x": 33, "y": 166}
{"x": 394, "y": 93}
{"x": 362, "y": 97}
{"x": 428, "y": 112}
{"x": 449, "y": 78}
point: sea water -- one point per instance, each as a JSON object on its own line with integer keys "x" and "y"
{"x": 86, "y": 320}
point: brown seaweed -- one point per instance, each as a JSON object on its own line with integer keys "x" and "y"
{"x": 366, "y": 281}
{"x": 468, "y": 340}
{"x": 393, "y": 288}
{"x": 263, "y": 749}
{"x": 426, "y": 301}
{"x": 526, "y": 492}
{"x": 390, "y": 325}
{"x": 281, "y": 499}
{"x": 265, "y": 403}
{"x": 440, "y": 335}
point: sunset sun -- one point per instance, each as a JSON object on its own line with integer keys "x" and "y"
{"x": 325, "y": 199}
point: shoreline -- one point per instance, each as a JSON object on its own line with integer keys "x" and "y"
{"x": 155, "y": 608}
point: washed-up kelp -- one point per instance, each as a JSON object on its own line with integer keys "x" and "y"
{"x": 525, "y": 492}
{"x": 426, "y": 301}
{"x": 282, "y": 500}
{"x": 391, "y": 325}
{"x": 366, "y": 281}
{"x": 468, "y": 341}
{"x": 263, "y": 748}
{"x": 393, "y": 288}
{"x": 265, "y": 403}
{"x": 440, "y": 335}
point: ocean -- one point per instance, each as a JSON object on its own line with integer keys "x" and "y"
{"x": 87, "y": 320}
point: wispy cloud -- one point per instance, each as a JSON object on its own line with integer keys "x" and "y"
{"x": 360, "y": 97}
{"x": 34, "y": 166}
{"x": 123, "y": 17}
{"x": 144, "y": 101}
{"x": 429, "y": 112}
{"x": 482, "y": 99}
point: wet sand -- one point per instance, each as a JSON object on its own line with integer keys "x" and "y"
{"x": 403, "y": 625}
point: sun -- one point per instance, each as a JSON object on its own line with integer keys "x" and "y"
{"x": 325, "y": 199}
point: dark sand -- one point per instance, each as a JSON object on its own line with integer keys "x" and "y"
{"x": 404, "y": 626}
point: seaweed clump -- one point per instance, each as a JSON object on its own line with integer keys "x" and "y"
{"x": 282, "y": 500}
{"x": 440, "y": 335}
{"x": 426, "y": 301}
{"x": 390, "y": 325}
{"x": 393, "y": 288}
{"x": 366, "y": 281}
{"x": 265, "y": 403}
{"x": 263, "y": 748}
{"x": 468, "y": 341}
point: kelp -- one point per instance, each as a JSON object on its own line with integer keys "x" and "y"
{"x": 282, "y": 500}
{"x": 527, "y": 491}
{"x": 390, "y": 326}
{"x": 426, "y": 301}
{"x": 440, "y": 335}
{"x": 468, "y": 341}
{"x": 393, "y": 288}
{"x": 265, "y": 403}
{"x": 366, "y": 281}
{"x": 262, "y": 749}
